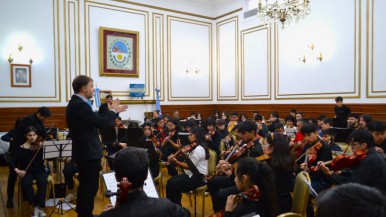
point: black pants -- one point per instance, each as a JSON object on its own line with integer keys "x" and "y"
{"x": 69, "y": 171}
{"x": 318, "y": 185}
{"x": 180, "y": 184}
{"x": 37, "y": 199}
{"x": 220, "y": 187}
{"x": 88, "y": 186}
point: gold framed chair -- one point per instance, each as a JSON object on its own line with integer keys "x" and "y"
{"x": 301, "y": 194}
{"x": 289, "y": 214}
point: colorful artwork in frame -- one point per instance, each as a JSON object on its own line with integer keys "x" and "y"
{"x": 118, "y": 53}
{"x": 20, "y": 75}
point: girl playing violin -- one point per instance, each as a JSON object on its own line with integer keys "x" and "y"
{"x": 30, "y": 168}
{"x": 199, "y": 157}
{"x": 282, "y": 163}
{"x": 149, "y": 136}
{"x": 171, "y": 144}
{"x": 249, "y": 172}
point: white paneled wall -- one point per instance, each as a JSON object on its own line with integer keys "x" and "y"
{"x": 237, "y": 61}
{"x": 227, "y": 59}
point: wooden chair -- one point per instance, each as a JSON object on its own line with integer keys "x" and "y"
{"x": 201, "y": 190}
{"x": 159, "y": 182}
{"x": 301, "y": 194}
{"x": 289, "y": 214}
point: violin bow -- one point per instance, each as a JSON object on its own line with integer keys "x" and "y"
{"x": 306, "y": 152}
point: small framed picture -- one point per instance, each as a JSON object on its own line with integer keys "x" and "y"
{"x": 103, "y": 94}
{"x": 20, "y": 75}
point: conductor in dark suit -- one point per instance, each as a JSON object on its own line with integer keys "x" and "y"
{"x": 87, "y": 149}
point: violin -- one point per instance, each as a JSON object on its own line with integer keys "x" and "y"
{"x": 313, "y": 153}
{"x": 234, "y": 147}
{"x": 124, "y": 187}
{"x": 240, "y": 151}
{"x": 37, "y": 144}
{"x": 186, "y": 149}
{"x": 344, "y": 161}
{"x": 171, "y": 134}
{"x": 252, "y": 194}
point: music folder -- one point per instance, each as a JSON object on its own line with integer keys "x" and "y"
{"x": 112, "y": 185}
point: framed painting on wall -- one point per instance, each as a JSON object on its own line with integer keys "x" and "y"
{"x": 20, "y": 75}
{"x": 118, "y": 52}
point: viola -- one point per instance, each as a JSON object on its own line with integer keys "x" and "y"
{"x": 124, "y": 187}
{"x": 36, "y": 145}
{"x": 186, "y": 149}
{"x": 344, "y": 161}
{"x": 252, "y": 194}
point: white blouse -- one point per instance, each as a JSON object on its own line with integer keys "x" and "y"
{"x": 197, "y": 156}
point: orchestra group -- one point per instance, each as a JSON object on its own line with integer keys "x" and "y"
{"x": 256, "y": 159}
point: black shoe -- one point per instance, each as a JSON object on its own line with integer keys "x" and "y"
{"x": 10, "y": 203}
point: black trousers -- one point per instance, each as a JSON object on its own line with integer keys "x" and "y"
{"x": 69, "y": 171}
{"x": 180, "y": 184}
{"x": 12, "y": 175}
{"x": 318, "y": 185}
{"x": 37, "y": 199}
{"x": 88, "y": 186}
{"x": 220, "y": 187}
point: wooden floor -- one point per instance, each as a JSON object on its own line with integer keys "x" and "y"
{"x": 99, "y": 201}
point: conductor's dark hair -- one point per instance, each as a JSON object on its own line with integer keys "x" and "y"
{"x": 79, "y": 82}
{"x": 261, "y": 175}
{"x": 377, "y": 126}
{"x": 247, "y": 126}
{"x": 132, "y": 163}
{"x": 359, "y": 201}
{"x": 361, "y": 136}
{"x": 308, "y": 128}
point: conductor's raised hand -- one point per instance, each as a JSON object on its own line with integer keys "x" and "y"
{"x": 115, "y": 105}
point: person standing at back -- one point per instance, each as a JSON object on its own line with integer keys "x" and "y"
{"x": 341, "y": 113}
{"x": 86, "y": 147}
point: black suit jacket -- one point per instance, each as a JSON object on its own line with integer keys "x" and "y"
{"x": 103, "y": 109}
{"x": 83, "y": 124}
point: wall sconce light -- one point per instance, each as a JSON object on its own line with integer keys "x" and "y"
{"x": 20, "y": 48}
{"x": 311, "y": 47}
{"x": 10, "y": 59}
{"x": 320, "y": 57}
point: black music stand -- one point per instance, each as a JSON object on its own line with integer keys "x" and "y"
{"x": 53, "y": 150}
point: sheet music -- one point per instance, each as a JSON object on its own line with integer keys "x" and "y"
{"x": 111, "y": 184}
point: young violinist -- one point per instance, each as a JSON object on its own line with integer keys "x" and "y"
{"x": 159, "y": 129}
{"x": 132, "y": 163}
{"x": 364, "y": 121}
{"x": 273, "y": 119}
{"x": 289, "y": 128}
{"x": 262, "y": 129}
{"x": 149, "y": 136}
{"x": 282, "y": 163}
{"x": 249, "y": 173}
{"x": 329, "y": 137}
{"x": 220, "y": 187}
{"x": 213, "y": 137}
{"x": 198, "y": 155}
{"x": 297, "y": 144}
{"x": 371, "y": 170}
{"x": 314, "y": 150}
{"x": 29, "y": 168}
{"x": 171, "y": 144}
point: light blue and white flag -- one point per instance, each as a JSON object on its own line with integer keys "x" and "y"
{"x": 157, "y": 102}
{"x": 97, "y": 97}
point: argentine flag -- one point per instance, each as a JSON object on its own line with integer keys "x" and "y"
{"x": 157, "y": 102}
{"x": 97, "y": 97}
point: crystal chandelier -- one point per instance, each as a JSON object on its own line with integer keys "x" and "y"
{"x": 284, "y": 11}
